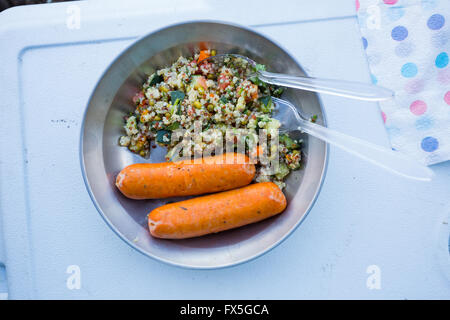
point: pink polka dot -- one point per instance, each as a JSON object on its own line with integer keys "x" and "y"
{"x": 357, "y": 5}
{"x": 447, "y": 98}
{"x": 390, "y": 1}
{"x": 414, "y": 86}
{"x": 383, "y": 115}
{"x": 418, "y": 107}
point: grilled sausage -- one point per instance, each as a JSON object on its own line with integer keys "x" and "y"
{"x": 185, "y": 178}
{"x": 217, "y": 212}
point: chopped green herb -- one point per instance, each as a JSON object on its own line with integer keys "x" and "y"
{"x": 156, "y": 78}
{"x": 223, "y": 99}
{"x": 260, "y": 119}
{"x": 260, "y": 67}
{"x": 278, "y": 92}
{"x": 282, "y": 171}
{"x": 163, "y": 136}
{"x": 208, "y": 125}
{"x": 288, "y": 142}
{"x": 258, "y": 82}
{"x": 176, "y": 96}
{"x": 173, "y": 126}
{"x": 266, "y": 104}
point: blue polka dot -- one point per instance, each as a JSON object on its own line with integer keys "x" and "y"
{"x": 441, "y": 60}
{"x": 424, "y": 123}
{"x": 399, "y": 33}
{"x": 374, "y": 79}
{"x": 364, "y": 40}
{"x": 436, "y": 21}
{"x": 409, "y": 70}
{"x": 429, "y": 144}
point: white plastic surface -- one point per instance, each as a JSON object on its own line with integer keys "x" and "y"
{"x": 364, "y": 216}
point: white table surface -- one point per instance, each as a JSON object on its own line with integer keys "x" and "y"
{"x": 363, "y": 216}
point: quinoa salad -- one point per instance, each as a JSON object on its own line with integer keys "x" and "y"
{"x": 218, "y": 96}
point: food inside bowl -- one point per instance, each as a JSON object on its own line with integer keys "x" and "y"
{"x": 206, "y": 100}
{"x": 240, "y": 203}
{"x": 214, "y": 108}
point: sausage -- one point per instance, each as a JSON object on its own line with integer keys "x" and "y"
{"x": 185, "y": 178}
{"x": 217, "y": 212}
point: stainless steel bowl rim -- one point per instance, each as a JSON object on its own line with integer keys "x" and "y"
{"x": 130, "y": 243}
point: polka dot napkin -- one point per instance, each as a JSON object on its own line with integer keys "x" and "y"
{"x": 407, "y": 43}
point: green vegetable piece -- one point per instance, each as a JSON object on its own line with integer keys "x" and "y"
{"x": 264, "y": 119}
{"x": 173, "y": 126}
{"x": 258, "y": 82}
{"x": 176, "y": 107}
{"x": 266, "y": 104}
{"x": 260, "y": 119}
{"x": 223, "y": 99}
{"x": 282, "y": 171}
{"x": 163, "y": 136}
{"x": 173, "y": 108}
{"x": 260, "y": 67}
{"x": 291, "y": 144}
{"x": 208, "y": 125}
{"x": 278, "y": 92}
{"x": 176, "y": 95}
{"x": 156, "y": 79}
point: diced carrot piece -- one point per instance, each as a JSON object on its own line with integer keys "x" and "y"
{"x": 203, "y": 55}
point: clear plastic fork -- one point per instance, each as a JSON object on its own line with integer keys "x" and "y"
{"x": 293, "y": 119}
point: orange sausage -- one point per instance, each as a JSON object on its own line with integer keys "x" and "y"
{"x": 185, "y": 178}
{"x": 217, "y": 212}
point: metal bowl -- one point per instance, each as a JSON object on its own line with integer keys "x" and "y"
{"x": 102, "y": 158}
